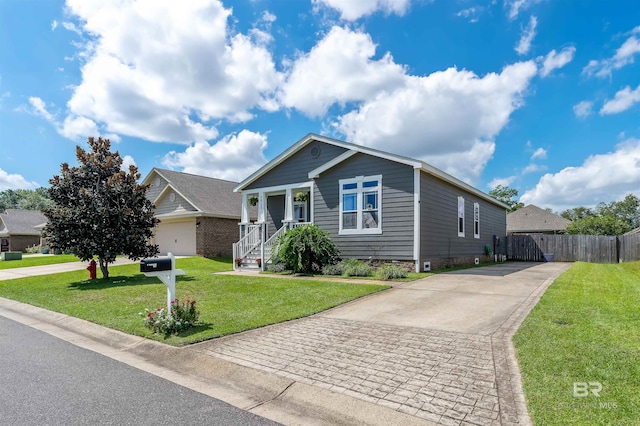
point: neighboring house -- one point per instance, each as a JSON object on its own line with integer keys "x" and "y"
{"x": 633, "y": 231}
{"x": 198, "y": 215}
{"x": 375, "y": 205}
{"x": 18, "y": 229}
{"x": 534, "y": 220}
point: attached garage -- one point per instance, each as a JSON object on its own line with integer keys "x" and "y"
{"x": 178, "y": 238}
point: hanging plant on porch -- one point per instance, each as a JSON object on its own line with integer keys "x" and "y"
{"x": 302, "y": 196}
{"x": 253, "y": 201}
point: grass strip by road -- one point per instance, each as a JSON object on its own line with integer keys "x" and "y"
{"x": 38, "y": 261}
{"x": 228, "y": 304}
{"x": 583, "y": 339}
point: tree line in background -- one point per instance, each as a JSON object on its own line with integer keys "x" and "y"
{"x": 614, "y": 218}
{"x": 25, "y": 199}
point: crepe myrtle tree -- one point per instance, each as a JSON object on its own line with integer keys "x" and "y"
{"x": 100, "y": 210}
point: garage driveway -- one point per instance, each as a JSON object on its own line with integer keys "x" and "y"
{"x": 477, "y": 300}
{"x": 438, "y": 348}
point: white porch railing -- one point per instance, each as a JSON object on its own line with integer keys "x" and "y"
{"x": 247, "y": 243}
{"x": 253, "y": 240}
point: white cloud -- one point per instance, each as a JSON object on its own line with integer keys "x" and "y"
{"x": 583, "y": 109}
{"x": 528, "y": 34}
{"x": 516, "y": 6}
{"x": 539, "y": 154}
{"x": 70, "y": 26}
{"x": 233, "y": 157}
{"x": 472, "y": 14}
{"x": 127, "y": 161}
{"x": 602, "y": 177}
{"x": 442, "y": 118}
{"x": 531, "y": 168}
{"x": 54, "y": 25}
{"x": 164, "y": 70}
{"x": 14, "y": 181}
{"x": 352, "y": 10}
{"x": 555, "y": 60}
{"x": 622, "y": 101}
{"x": 339, "y": 69}
{"x": 40, "y": 108}
{"x": 506, "y": 181}
{"x": 623, "y": 56}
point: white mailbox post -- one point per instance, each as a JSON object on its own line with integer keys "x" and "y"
{"x": 164, "y": 270}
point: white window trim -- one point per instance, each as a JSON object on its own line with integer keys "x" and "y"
{"x": 476, "y": 220}
{"x": 359, "y": 208}
{"x": 460, "y": 233}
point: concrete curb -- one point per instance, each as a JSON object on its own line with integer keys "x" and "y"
{"x": 265, "y": 394}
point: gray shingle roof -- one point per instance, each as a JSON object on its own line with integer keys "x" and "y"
{"x": 534, "y": 219}
{"x": 209, "y": 195}
{"x": 20, "y": 222}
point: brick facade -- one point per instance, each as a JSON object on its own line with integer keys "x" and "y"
{"x": 215, "y": 236}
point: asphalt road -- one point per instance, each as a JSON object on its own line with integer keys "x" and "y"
{"x": 47, "y": 381}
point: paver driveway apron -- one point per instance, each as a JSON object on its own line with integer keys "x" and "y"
{"x": 432, "y": 348}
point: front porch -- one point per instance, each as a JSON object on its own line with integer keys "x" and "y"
{"x": 279, "y": 209}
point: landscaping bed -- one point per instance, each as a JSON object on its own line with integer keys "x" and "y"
{"x": 228, "y": 304}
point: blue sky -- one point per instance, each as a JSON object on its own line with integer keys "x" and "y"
{"x": 540, "y": 95}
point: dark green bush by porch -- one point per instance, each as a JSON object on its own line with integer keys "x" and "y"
{"x": 306, "y": 249}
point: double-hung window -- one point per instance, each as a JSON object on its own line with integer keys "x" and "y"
{"x": 476, "y": 220}
{"x": 460, "y": 217}
{"x": 360, "y": 205}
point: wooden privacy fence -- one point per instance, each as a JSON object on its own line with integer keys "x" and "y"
{"x": 572, "y": 248}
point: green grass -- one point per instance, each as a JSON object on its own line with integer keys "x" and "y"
{"x": 37, "y": 261}
{"x": 586, "y": 328}
{"x": 228, "y": 304}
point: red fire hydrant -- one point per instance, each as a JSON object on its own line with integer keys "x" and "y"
{"x": 92, "y": 270}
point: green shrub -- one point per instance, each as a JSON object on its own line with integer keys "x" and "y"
{"x": 356, "y": 268}
{"x": 391, "y": 271}
{"x": 306, "y": 249}
{"x": 336, "y": 269}
{"x": 275, "y": 267}
{"x": 33, "y": 249}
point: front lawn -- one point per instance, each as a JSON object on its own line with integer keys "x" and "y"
{"x": 38, "y": 261}
{"x": 583, "y": 339}
{"x": 228, "y": 304}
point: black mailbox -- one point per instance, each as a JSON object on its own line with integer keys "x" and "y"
{"x": 155, "y": 265}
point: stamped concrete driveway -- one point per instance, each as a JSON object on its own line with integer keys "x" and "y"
{"x": 438, "y": 348}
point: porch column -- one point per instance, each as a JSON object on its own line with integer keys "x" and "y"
{"x": 262, "y": 208}
{"x": 245, "y": 209}
{"x": 288, "y": 205}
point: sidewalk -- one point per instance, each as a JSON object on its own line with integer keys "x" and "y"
{"x": 32, "y": 271}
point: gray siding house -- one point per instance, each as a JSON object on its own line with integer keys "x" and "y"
{"x": 374, "y": 204}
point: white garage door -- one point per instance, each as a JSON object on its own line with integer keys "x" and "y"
{"x": 178, "y": 238}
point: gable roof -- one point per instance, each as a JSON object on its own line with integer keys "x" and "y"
{"x": 352, "y": 150}
{"x": 532, "y": 218}
{"x": 633, "y": 231}
{"x": 209, "y": 196}
{"x": 21, "y": 222}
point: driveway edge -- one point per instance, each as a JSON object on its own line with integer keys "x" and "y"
{"x": 511, "y": 397}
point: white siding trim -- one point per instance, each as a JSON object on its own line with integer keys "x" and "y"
{"x": 315, "y": 173}
{"x": 459, "y": 216}
{"x": 416, "y": 217}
